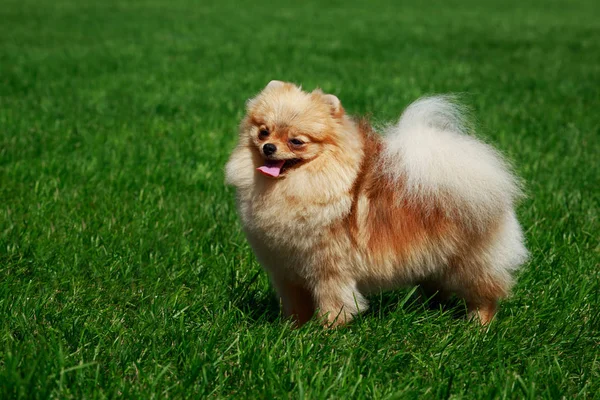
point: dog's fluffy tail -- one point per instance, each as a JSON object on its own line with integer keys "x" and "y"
{"x": 431, "y": 153}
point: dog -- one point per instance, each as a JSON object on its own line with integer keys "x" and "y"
{"x": 335, "y": 211}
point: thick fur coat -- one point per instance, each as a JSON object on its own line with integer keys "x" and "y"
{"x": 334, "y": 211}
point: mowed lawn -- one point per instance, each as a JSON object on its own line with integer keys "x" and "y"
{"x": 123, "y": 268}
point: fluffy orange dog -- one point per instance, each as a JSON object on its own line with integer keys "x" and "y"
{"x": 334, "y": 211}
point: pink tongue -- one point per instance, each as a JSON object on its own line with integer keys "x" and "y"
{"x": 272, "y": 168}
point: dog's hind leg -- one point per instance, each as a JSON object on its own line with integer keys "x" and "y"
{"x": 484, "y": 275}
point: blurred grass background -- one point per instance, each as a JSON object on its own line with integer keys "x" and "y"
{"x": 123, "y": 270}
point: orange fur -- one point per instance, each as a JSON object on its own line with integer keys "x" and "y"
{"x": 333, "y": 227}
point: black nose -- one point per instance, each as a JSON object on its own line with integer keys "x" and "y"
{"x": 269, "y": 149}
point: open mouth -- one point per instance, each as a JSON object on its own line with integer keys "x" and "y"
{"x": 274, "y": 168}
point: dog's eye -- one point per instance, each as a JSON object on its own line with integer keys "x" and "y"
{"x": 296, "y": 142}
{"x": 263, "y": 133}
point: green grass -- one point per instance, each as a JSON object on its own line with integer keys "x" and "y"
{"x": 123, "y": 269}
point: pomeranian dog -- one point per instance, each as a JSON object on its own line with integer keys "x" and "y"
{"x": 334, "y": 211}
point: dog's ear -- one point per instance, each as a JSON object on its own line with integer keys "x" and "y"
{"x": 275, "y": 84}
{"x": 271, "y": 85}
{"x": 337, "y": 110}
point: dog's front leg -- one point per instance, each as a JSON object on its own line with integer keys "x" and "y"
{"x": 296, "y": 300}
{"x": 337, "y": 300}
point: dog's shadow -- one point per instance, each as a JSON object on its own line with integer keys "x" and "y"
{"x": 413, "y": 300}
{"x": 255, "y": 303}
{"x": 260, "y": 305}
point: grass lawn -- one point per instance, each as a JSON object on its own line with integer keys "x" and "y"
{"x": 123, "y": 268}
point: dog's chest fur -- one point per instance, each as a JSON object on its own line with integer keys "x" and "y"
{"x": 291, "y": 232}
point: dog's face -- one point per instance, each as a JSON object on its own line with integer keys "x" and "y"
{"x": 290, "y": 128}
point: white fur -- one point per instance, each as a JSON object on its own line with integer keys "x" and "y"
{"x": 298, "y": 229}
{"x": 430, "y": 150}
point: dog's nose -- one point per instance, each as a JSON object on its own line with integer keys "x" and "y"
{"x": 269, "y": 149}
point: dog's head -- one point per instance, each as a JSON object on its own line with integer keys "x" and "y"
{"x": 290, "y": 128}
